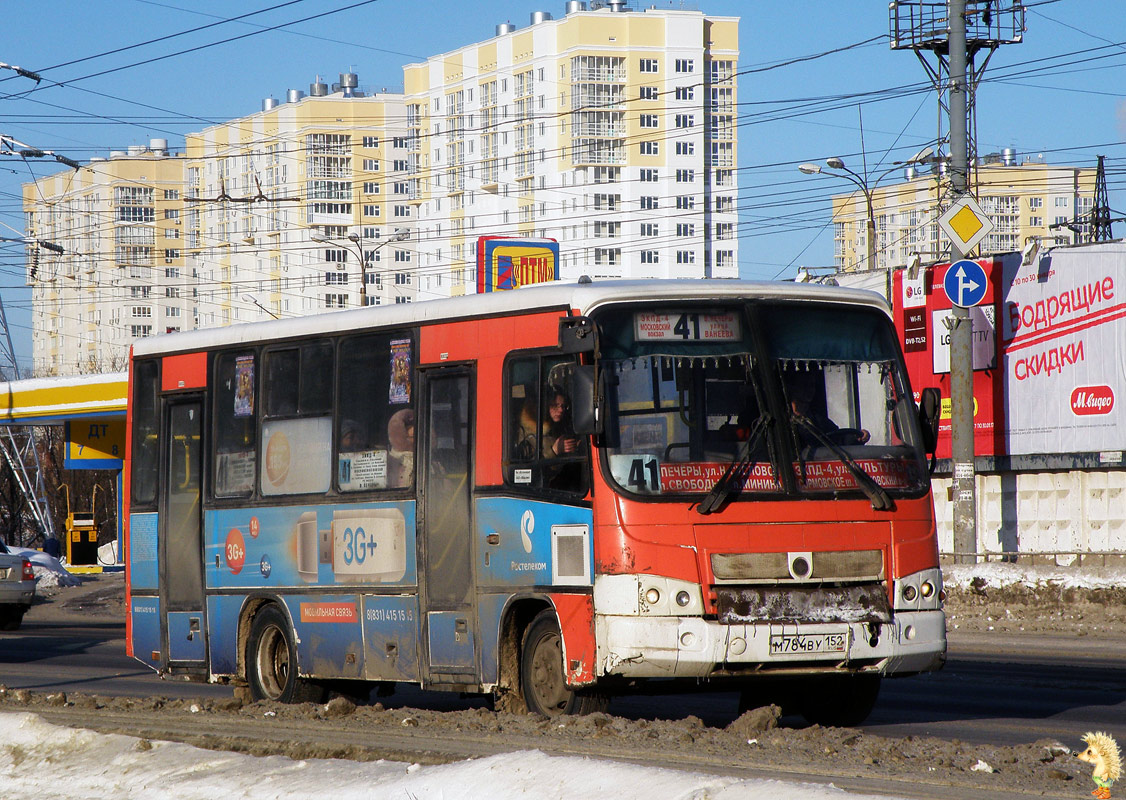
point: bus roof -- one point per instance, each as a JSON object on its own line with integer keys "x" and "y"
{"x": 583, "y": 297}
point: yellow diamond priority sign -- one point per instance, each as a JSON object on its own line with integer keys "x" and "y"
{"x": 965, "y": 224}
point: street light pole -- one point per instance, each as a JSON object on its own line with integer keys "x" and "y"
{"x": 861, "y": 182}
{"x": 399, "y": 235}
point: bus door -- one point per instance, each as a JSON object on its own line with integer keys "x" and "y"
{"x": 181, "y": 533}
{"x": 446, "y": 580}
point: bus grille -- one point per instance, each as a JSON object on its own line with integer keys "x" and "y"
{"x": 844, "y": 566}
{"x": 856, "y": 603}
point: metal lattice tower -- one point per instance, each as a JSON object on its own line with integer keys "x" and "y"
{"x": 1100, "y": 213}
{"x": 924, "y": 27}
{"x": 19, "y": 444}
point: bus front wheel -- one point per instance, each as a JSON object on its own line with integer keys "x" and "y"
{"x": 541, "y": 673}
{"x": 271, "y": 661}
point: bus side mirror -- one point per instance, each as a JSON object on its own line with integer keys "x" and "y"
{"x": 577, "y": 335}
{"x": 583, "y": 414}
{"x": 930, "y": 405}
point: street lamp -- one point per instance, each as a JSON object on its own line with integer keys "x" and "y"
{"x": 399, "y": 235}
{"x": 865, "y": 186}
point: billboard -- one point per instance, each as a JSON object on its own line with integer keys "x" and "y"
{"x": 922, "y": 314}
{"x": 505, "y": 263}
{"x": 1063, "y": 346}
{"x": 1049, "y": 350}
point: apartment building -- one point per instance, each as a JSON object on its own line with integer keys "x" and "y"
{"x": 1023, "y": 200}
{"x": 295, "y": 209}
{"x": 121, "y": 274}
{"x": 610, "y": 130}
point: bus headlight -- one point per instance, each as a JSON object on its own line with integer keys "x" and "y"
{"x": 683, "y": 598}
{"x": 652, "y": 596}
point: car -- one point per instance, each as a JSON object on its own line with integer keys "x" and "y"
{"x": 17, "y": 588}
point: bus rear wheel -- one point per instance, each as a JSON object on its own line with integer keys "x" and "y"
{"x": 271, "y": 661}
{"x": 541, "y": 673}
{"x": 841, "y": 701}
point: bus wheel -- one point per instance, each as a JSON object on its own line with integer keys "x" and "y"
{"x": 271, "y": 661}
{"x": 842, "y": 701}
{"x": 541, "y": 673}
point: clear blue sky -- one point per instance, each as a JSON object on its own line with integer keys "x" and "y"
{"x": 1059, "y": 93}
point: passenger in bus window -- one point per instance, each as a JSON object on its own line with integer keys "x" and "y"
{"x": 353, "y": 437}
{"x": 558, "y": 434}
{"x": 400, "y": 462}
{"x": 527, "y": 438}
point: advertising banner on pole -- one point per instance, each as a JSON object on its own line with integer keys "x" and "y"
{"x": 505, "y": 263}
{"x": 922, "y": 310}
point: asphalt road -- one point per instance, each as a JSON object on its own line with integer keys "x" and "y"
{"x": 996, "y": 688}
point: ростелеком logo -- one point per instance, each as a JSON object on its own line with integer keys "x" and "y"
{"x": 527, "y": 525}
{"x": 1088, "y": 400}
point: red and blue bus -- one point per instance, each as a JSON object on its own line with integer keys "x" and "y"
{"x": 549, "y": 495}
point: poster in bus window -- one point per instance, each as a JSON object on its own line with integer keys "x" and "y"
{"x": 244, "y": 386}
{"x": 400, "y": 372}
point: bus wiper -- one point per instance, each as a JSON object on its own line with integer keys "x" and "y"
{"x": 737, "y": 471}
{"x": 881, "y": 500}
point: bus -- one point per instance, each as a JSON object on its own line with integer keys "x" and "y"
{"x": 549, "y": 496}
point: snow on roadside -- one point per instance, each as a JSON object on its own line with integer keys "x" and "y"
{"x": 38, "y": 760}
{"x": 996, "y": 574}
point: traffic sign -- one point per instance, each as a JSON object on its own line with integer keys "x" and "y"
{"x": 965, "y": 224}
{"x": 965, "y": 283}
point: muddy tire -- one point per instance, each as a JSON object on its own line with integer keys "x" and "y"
{"x": 271, "y": 661}
{"x": 842, "y": 701}
{"x": 541, "y": 673}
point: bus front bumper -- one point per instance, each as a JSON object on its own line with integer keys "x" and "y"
{"x": 679, "y": 647}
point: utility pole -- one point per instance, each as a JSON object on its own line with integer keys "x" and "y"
{"x": 961, "y": 329}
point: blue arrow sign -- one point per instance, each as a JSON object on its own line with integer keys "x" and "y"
{"x": 965, "y": 283}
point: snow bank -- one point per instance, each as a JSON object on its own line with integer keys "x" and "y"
{"x": 48, "y": 569}
{"x": 996, "y": 574}
{"x": 39, "y": 760}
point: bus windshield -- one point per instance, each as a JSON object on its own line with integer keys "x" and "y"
{"x": 760, "y": 399}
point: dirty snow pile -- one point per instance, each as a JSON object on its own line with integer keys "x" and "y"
{"x": 39, "y": 760}
{"x": 48, "y": 569}
{"x": 995, "y": 574}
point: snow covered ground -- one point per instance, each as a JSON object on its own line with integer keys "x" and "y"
{"x": 996, "y": 574}
{"x": 39, "y": 760}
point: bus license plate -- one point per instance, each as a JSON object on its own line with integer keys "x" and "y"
{"x": 807, "y": 644}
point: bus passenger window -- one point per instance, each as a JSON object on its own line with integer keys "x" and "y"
{"x": 146, "y": 383}
{"x": 543, "y": 450}
{"x": 375, "y": 447}
{"x": 235, "y": 433}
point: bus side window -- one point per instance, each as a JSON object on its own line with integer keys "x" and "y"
{"x": 297, "y": 419}
{"x": 236, "y": 434}
{"x": 542, "y": 449}
{"x": 146, "y": 382}
{"x": 375, "y": 423}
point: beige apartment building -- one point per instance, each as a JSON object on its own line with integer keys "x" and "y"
{"x": 610, "y": 130}
{"x": 281, "y": 205}
{"x": 1023, "y": 200}
{"x": 121, "y": 274}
